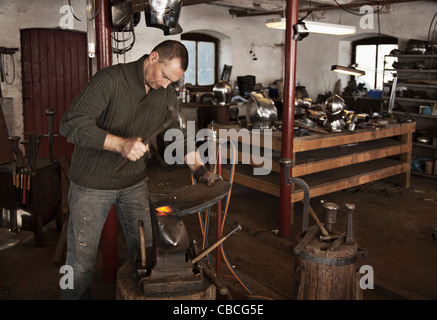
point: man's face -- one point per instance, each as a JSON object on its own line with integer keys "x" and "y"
{"x": 161, "y": 73}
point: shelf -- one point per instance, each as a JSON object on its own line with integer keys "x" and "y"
{"x": 417, "y": 173}
{"x": 413, "y": 71}
{"x": 413, "y": 85}
{"x": 424, "y": 145}
{"x": 195, "y": 105}
{"x": 417, "y": 80}
{"x": 323, "y": 182}
{"x": 412, "y": 55}
{"x": 328, "y": 162}
{"x": 412, "y": 99}
{"x": 313, "y": 161}
{"x": 414, "y": 114}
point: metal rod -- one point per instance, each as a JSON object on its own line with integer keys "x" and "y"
{"x": 215, "y": 244}
{"x": 393, "y": 94}
{"x": 50, "y": 115}
{"x": 288, "y": 115}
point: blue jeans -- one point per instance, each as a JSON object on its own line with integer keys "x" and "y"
{"x": 88, "y": 211}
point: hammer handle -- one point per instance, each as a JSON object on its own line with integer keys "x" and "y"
{"x": 142, "y": 243}
{"x": 121, "y": 164}
{"x": 211, "y": 275}
{"x": 216, "y": 244}
{"x": 322, "y": 228}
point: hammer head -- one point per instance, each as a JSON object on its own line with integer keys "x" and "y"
{"x": 181, "y": 121}
{"x": 176, "y": 116}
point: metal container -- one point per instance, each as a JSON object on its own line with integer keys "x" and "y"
{"x": 334, "y": 105}
{"x": 223, "y": 91}
{"x": 262, "y": 110}
{"x": 164, "y": 15}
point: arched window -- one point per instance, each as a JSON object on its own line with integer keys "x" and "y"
{"x": 368, "y": 54}
{"x": 203, "y": 59}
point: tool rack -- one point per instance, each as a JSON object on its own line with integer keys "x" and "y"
{"x": 40, "y": 197}
{"x": 330, "y": 162}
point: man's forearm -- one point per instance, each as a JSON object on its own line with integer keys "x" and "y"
{"x": 113, "y": 143}
{"x": 130, "y": 148}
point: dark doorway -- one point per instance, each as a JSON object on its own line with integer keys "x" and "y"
{"x": 55, "y": 68}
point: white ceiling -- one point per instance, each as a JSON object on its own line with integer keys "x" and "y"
{"x": 273, "y": 6}
{"x": 277, "y": 5}
{"x": 269, "y": 6}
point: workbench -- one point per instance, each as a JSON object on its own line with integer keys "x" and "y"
{"x": 330, "y": 162}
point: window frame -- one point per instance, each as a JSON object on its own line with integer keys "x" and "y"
{"x": 379, "y": 40}
{"x": 194, "y": 36}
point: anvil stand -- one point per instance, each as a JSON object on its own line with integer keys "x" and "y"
{"x": 173, "y": 264}
{"x": 166, "y": 268}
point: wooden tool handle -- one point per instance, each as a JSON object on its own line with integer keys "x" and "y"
{"x": 142, "y": 243}
{"x": 121, "y": 164}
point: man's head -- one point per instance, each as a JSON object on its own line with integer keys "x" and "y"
{"x": 166, "y": 64}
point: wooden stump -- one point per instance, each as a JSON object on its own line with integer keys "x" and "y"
{"x": 127, "y": 288}
{"x": 322, "y": 274}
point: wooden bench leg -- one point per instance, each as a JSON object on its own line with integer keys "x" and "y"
{"x": 406, "y": 158}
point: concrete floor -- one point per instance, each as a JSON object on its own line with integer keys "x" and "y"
{"x": 395, "y": 225}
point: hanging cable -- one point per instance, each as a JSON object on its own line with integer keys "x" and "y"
{"x": 92, "y": 18}
{"x": 116, "y": 49}
{"x": 227, "y": 200}
{"x": 5, "y": 71}
{"x": 204, "y": 224}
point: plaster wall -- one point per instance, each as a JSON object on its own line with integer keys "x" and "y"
{"x": 236, "y": 39}
{"x": 317, "y": 52}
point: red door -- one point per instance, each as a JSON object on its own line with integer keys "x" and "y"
{"x": 55, "y": 68}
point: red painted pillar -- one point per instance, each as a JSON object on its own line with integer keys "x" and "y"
{"x": 218, "y": 260}
{"x": 104, "y": 59}
{"x": 288, "y": 115}
{"x": 103, "y": 37}
{"x": 109, "y": 247}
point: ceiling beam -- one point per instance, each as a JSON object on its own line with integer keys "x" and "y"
{"x": 140, "y": 5}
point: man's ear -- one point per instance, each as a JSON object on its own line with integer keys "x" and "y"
{"x": 154, "y": 56}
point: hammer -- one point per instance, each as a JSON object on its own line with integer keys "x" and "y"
{"x": 18, "y": 154}
{"x": 174, "y": 117}
{"x": 216, "y": 244}
{"x": 349, "y": 231}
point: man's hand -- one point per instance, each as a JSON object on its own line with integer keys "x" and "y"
{"x": 210, "y": 178}
{"x": 133, "y": 149}
{"x": 130, "y": 148}
{"x": 203, "y": 175}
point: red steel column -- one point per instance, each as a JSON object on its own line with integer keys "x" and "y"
{"x": 109, "y": 247}
{"x": 288, "y": 115}
{"x": 218, "y": 253}
{"x": 104, "y": 59}
{"x": 103, "y": 36}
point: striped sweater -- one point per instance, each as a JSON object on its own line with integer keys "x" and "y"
{"x": 113, "y": 101}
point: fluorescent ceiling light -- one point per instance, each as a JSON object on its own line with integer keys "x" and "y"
{"x": 351, "y": 71}
{"x": 329, "y": 28}
{"x": 315, "y": 27}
